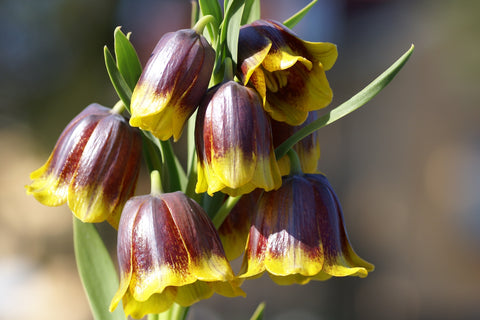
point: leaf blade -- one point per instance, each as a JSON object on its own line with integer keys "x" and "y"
{"x": 127, "y": 59}
{"x": 297, "y": 17}
{"x": 355, "y": 102}
{"x": 231, "y": 27}
{"x": 258, "y": 313}
{"x": 100, "y": 282}
{"x": 119, "y": 84}
{"x": 251, "y": 11}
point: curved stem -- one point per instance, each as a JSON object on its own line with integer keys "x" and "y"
{"x": 202, "y": 22}
{"x": 295, "y": 166}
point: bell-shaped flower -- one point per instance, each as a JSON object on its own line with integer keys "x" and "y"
{"x": 93, "y": 167}
{"x": 172, "y": 84}
{"x": 233, "y": 139}
{"x": 307, "y": 149}
{"x": 169, "y": 251}
{"x": 234, "y": 230}
{"x": 289, "y": 73}
{"x": 299, "y": 235}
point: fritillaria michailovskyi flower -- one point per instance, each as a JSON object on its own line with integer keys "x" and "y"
{"x": 169, "y": 251}
{"x": 172, "y": 84}
{"x": 93, "y": 167}
{"x": 287, "y": 72}
{"x": 299, "y": 235}
{"x": 234, "y": 142}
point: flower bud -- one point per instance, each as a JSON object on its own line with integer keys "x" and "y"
{"x": 299, "y": 235}
{"x": 93, "y": 167}
{"x": 169, "y": 251}
{"x": 287, "y": 72}
{"x": 234, "y": 143}
{"x": 172, "y": 84}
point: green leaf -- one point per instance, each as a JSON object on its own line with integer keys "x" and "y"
{"x": 96, "y": 270}
{"x": 258, "y": 314}
{"x": 231, "y": 26}
{"x": 297, "y": 17}
{"x": 127, "y": 60}
{"x": 211, "y": 7}
{"x": 121, "y": 87}
{"x": 251, "y": 11}
{"x": 348, "y": 106}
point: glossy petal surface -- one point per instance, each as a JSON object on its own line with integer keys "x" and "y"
{"x": 234, "y": 143}
{"x": 93, "y": 167}
{"x": 298, "y": 235}
{"x": 169, "y": 251}
{"x": 172, "y": 84}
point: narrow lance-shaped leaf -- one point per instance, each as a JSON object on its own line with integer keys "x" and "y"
{"x": 96, "y": 270}
{"x": 348, "y": 106}
{"x": 231, "y": 27}
{"x": 127, "y": 60}
{"x": 119, "y": 84}
{"x": 297, "y": 17}
{"x": 251, "y": 11}
{"x": 258, "y": 314}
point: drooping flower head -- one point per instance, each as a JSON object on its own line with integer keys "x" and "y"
{"x": 172, "y": 84}
{"x": 299, "y": 235}
{"x": 234, "y": 142}
{"x": 307, "y": 149}
{"x": 169, "y": 251}
{"x": 289, "y": 73}
{"x": 93, "y": 167}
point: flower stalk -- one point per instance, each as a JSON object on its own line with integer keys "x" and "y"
{"x": 156, "y": 183}
{"x": 202, "y": 22}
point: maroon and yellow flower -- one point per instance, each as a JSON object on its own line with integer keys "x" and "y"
{"x": 234, "y": 230}
{"x": 307, "y": 149}
{"x": 172, "y": 84}
{"x": 289, "y": 73}
{"x": 234, "y": 143}
{"x": 93, "y": 167}
{"x": 169, "y": 251}
{"x": 299, "y": 235}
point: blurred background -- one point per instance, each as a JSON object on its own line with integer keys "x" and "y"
{"x": 406, "y": 166}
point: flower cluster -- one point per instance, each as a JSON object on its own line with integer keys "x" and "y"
{"x": 289, "y": 221}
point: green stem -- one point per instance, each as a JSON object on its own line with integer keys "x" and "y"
{"x": 118, "y": 107}
{"x": 224, "y": 210}
{"x": 347, "y": 107}
{"x": 295, "y": 166}
{"x": 202, "y": 22}
{"x": 153, "y": 316}
{"x": 178, "y": 312}
{"x": 156, "y": 183}
{"x": 192, "y": 161}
